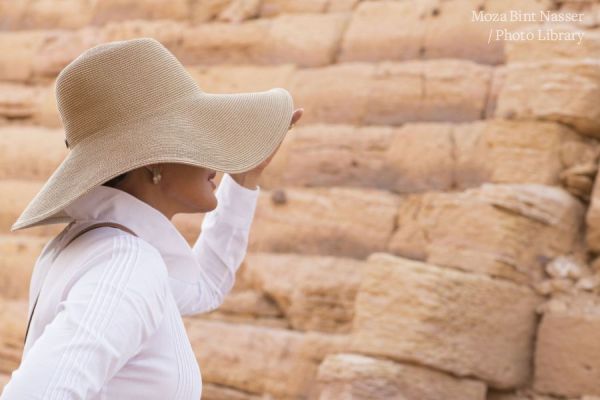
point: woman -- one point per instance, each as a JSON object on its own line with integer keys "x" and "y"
{"x": 145, "y": 143}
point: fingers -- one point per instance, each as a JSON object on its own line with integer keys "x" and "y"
{"x": 296, "y": 116}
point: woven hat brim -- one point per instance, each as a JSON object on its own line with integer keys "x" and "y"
{"x": 229, "y": 133}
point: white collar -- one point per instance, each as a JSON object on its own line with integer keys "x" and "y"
{"x": 108, "y": 204}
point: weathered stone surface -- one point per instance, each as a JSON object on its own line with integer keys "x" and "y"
{"x": 526, "y": 393}
{"x": 420, "y": 158}
{"x": 270, "y": 8}
{"x": 203, "y": 11}
{"x": 4, "y": 378}
{"x": 402, "y": 30}
{"x": 119, "y": 10}
{"x": 592, "y": 219}
{"x": 393, "y": 93}
{"x": 536, "y": 50}
{"x": 449, "y": 20}
{"x": 282, "y": 39}
{"x": 436, "y": 90}
{"x": 30, "y": 153}
{"x": 384, "y": 30}
{"x": 11, "y": 13}
{"x": 458, "y": 156}
{"x": 496, "y": 83}
{"x": 241, "y": 78}
{"x": 245, "y": 319}
{"x": 567, "y": 357}
{"x": 46, "y": 113}
{"x": 503, "y": 151}
{"x": 18, "y": 100}
{"x": 557, "y": 90}
{"x": 489, "y": 229}
{"x": 579, "y": 179}
{"x": 354, "y": 376}
{"x": 335, "y": 155}
{"x": 168, "y": 32}
{"x": 17, "y": 51}
{"x": 438, "y": 317}
{"x": 211, "y": 391}
{"x": 306, "y": 40}
{"x": 240, "y": 10}
{"x": 13, "y": 315}
{"x": 278, "y": 362}
{"x": 60, "y": 48}
{"x": 321, "y": 91}
{"x": 250, "y": 302}
{"x": 50, "y": 14}
{"x": 224, "y": 43}
{"x": 314, "y": 292}
{"x": 76, "y": 14}
{"x": 333, "y": 221}
{"x": 19, "y": 254}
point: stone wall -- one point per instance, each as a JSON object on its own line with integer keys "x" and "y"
{"x": 429, "y": 230}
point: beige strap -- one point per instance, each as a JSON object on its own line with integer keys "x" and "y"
{"x": 112, "y": 224}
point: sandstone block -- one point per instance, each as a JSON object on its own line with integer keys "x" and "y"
{"x": 241, "y": 78}
{"x": 60, "y": 48}
{"x": 19, "y": 254}
{"x": 384, "y": 30}
{"x": 438, "y": 317}
{"x": 354, "y": 376}
{"x": 322, "y": 90}
{"x": 278, "y": 362}
{"x": 13, "y": 315}
{"x": 314, "y": 292}
{"x": 559, "y": 90}
{"x": 567, "y": 356}
{"x": 536, "y": 50}
{"x": 224, "y": 43}
{"x": 592, "y": 219}
{"x": 121, "y": 10}
{"x": 49, "y": 14}
{"x": 18, "y": 100}
{"x": 332, "y": 221}
{"x": 332, "y": 155}
{"x": 449, "y": 20}
{"x": 504, "y": 151}
{"x": 419, "y": 158}
{"x": 271, "y": 8}
{"x": 503, "y": 230}
{"x": 17, "y": 51}
{"x": 436, "y": 90}
{"x": 307, "y": 40}
{"x": 30, "y": 153}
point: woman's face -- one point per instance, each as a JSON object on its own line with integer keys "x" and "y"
{"x": 187, "y": 188}
{"x": 182, "y": 188}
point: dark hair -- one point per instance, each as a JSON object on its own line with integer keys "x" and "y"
{"x": 114, "y": 181}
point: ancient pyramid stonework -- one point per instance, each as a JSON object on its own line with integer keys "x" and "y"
{"x": 430, "y": 230}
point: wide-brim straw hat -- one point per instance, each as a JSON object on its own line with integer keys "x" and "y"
{"x": 130, "y": 103}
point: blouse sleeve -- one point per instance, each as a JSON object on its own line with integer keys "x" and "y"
{"x": 107, "y": 315}
{"x": 221, "y": 246}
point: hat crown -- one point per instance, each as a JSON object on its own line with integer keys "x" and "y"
{"x": 118, "y": 83}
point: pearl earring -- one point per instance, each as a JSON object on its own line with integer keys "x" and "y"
{"x": 157, "y": 176}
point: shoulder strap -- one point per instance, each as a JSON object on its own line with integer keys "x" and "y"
{"x": 98, "y": 225}
{"x": 111, "y": 224}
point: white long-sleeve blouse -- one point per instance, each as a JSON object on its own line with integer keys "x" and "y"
{"x": 108, "y": 321}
